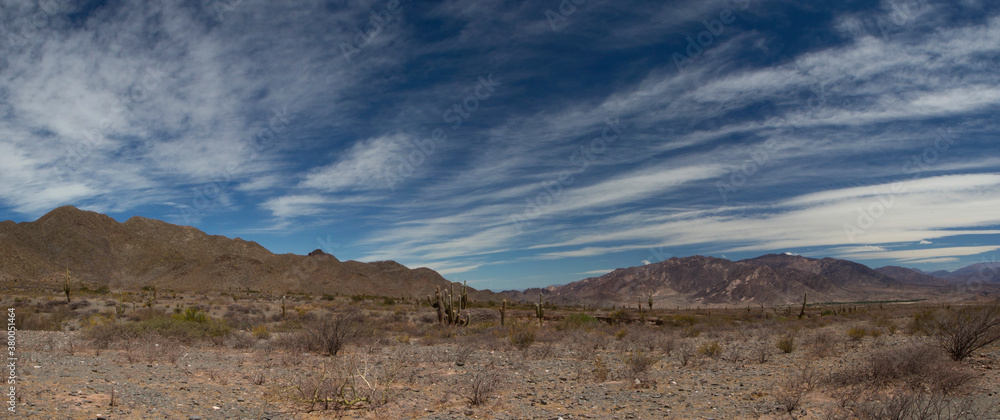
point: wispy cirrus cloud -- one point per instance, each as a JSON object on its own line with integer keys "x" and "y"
{"x": 595, "y": 149}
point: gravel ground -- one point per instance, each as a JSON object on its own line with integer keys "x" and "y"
{"x": 61, "y": 376}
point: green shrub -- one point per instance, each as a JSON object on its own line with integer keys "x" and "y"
{"x": 856, "y": 333}
{"x": 710, "y": 349}
{"x": 192, "y": 315}
{"x": 786, "y": 343}
{"x": 577, "y": 321}
{"x": 522, "y": 336}
{"x": 620, "y": 316}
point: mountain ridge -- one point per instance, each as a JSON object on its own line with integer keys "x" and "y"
{"x": 142, "y": 252}
{"x": 765, "y": 280}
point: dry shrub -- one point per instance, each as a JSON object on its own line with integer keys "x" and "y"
{"x": 906, "y": 405}
{"x": 522, "y": 336}
{"x": 586, "y": 343}
{"x": 856, "y": 333}
{"x": 485, "y": 383}
{"x": 346, "y": 383}
{"x": 601, "y": 370}
{"x": 711, "y": 349}
{"x": 965, "y": 330}
{"x": 648, "y": 339}
{"x": 685, "y": 352}
{"x": 637, "y": 366}
{"x": 822, "y": 344}
{"x": 786, "y": 343}
{"x": 331, "y": 333}
{"x": 151, "y": 349}
{"x": 240, "y": 340}
{"x": 919, "y": 367}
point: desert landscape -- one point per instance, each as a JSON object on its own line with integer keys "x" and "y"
{"x": 86, "y": 349}
{"x": 500, "y": 209}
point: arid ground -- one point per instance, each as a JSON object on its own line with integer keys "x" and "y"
{"x": 246, "y": 355}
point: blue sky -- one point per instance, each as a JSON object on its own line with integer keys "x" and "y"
{"x": 516, "y": 144}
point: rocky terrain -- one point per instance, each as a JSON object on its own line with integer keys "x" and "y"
{"x": 836, "y": 362}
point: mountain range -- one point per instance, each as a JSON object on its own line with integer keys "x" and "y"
{"x": 142, "y": 252}
{"x": 768, "y": 279}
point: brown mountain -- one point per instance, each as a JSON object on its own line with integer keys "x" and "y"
{"x": 984, "y": 272}
{"x": 769, "y": 279}
{"x": 910, "y": 276}
{"x": 143, "y": 252}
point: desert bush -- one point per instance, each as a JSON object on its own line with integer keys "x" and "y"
{"x": 679, "y": 321}
{"x": 619, "y": 317}
{"x": 190, "y": 326}
{"x": 522, "y": 336}
{"x": 186, "y": 328}
{"x": 485, "y": 383}
{"x": 710, "y": 349}
{"x": 243, "y": 317}
{"x": 102, "y": 336}
{"x": 922, "y": 323}
{"x": 964, "y": 330}
{"x": 856, "y": 333}
{"x": 917, "y": 366}
{"x": 149, "y": 349}
{"x": 685, "y": 353}
{"x": 240, "y": 340}
{"x": 577, "y": 321}
{"x": 786, "y": 343}
{"x": 906, "y": 406}
{"x": 318, "y": 388}
{"x": 261, "y": 332}
{"x": 638, "y": 364}
{"x": 822, "y": 344}
{"x": 601, "y": 370}
{"x": 692, "y": 331}
{"x": 332, "y": 332}
{"x": 760, "y": 350}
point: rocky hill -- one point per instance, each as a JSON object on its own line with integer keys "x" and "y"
{"x": 769, "y": 279}
{"x": 141, "y": 252}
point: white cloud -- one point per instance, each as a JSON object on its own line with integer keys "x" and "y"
{"x": 296, "y": 205}
{"x": 364, "y": 167}
{"x": 920, "y": 254}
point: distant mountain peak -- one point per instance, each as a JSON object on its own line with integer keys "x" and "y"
{"x": 143, "y": 252}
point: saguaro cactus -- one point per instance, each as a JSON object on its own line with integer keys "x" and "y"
{"x": 503, "y": 313}
{"x": 540, "y": 309}
{"x": 465, "y": 295}
{"x": 66, "y": 285}
{"x": 440, "y": 304}
{"x": 802, "y": 313}
{"x": 448, "y": 310}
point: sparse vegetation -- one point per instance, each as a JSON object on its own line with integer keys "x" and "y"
{"x": 338, "y": 355}
{"x": 965, "y": 330}
{"x": 786, "y": 343}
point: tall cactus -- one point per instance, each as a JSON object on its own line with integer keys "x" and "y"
{"x": 440, "y": 304}
{"x": 66, "y": 286}
{"x": 503, "y": 313}
{"x": 540, "y": 309}
{"x": 803, "y": 312}
{"x": 465, "y": 295}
